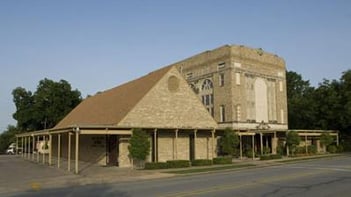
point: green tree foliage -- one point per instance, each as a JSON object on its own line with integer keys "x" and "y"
{"x": 301, "y": 104}
{"x": 7, "y": 137}
{"x": 46, "y": 107}
{"x": 229, "y": 142}
{"x": 292, "y": 140}
{"x": 326, "y": 139}
{"x": 139, "y": 147}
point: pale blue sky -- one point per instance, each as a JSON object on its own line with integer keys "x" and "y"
{"x": 96, "y": 45}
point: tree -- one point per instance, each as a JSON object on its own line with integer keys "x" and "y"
{"x": 229, "y": 142}
{"x": 326, "y": 139}
{"x": 46, "y": 107}
{"x": 139, "y": 145}
{"x": 301, "y": 103}
{"x": 292, "y": 140}
{"x": 7, "y": 137}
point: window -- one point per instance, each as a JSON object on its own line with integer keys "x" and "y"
{"x": 237, "y": 78}
{"x": 207, "y": 95}
{"x": 281, "y": 86}
{"x": 189, "y": 75}
{"x": 221, "y": 66}
{"x": 222, "y": 113}
{"x": 221, "y": 79}
{"x": 207, "y": 85}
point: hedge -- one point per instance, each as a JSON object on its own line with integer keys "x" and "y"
{"x": 222, "y": 160}
{"x": 269, "y": 157}
{"x": 158, "y": 165}
{"x": 201, "y": 162}
{"x": 178, "y": 163}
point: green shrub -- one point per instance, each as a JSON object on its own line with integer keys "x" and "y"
{"x": 340, "y": 149}
{"x": 158, "y": 165}
{"x": 178, "y": 163}
{"x": 312, "y": 149}
{"x": 270, "y": 157}
{"x": 222, "y": 160}
{"x": 266, "y": 150}
{"x": 201, "y": 162}
{"x": 332, "y": 149}
{"x": 248, "y": 153}
{"x": 281, "y": 149}
{"x": 300, "y": 150}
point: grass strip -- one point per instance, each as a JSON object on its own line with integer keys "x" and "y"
{"x": 197, "y": 170}
{"x": 306, "y": 158}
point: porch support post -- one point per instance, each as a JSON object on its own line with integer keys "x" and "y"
{"x": 22, "y": 149}
{"x": 261, "y": 143}
{"x": 155, "y": 145}
{"x": 38, "y": 156}
{"x": 195, "y": 136}
{"x": 33, "y": 137}
{"x": 337, "y": 138}
{"x": 241, "y": 147}
{"x": 69, "y": 152}
{"x": 306, "y": 144}
{"x": 50, "y": 149}
{"x": 176, "y": 144}
{"x": 25, "y": 147}
{"x": 77, "y": 152}
{"x": 28, "y": 148}
{"x": 16, "y": 146}
{"x": 58, "y": 150}
{"x": 213, "y": 138}
{"x": 253, "y": 146}
{"x": 44, "y": 150}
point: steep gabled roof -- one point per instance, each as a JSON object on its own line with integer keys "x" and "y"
{"x": 111, "y": 106}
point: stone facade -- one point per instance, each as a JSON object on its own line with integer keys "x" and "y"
{"x": 170, "y": 103}
{"x": 248, "y": 86}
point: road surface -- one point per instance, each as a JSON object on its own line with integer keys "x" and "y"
{"x": 321, "y": 177}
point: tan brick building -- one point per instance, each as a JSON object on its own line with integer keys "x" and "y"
{"x": 184, "y": 107}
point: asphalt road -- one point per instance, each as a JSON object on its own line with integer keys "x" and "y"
{"x": 321, "y": 177}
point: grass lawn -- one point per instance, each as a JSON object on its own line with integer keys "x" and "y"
{"x": 209, "y": 169}
{"x": 293, "y": 159}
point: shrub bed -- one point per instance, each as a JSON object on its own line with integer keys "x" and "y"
{"x": 154, "y": 166}
{"x": 222, "y": 160}
{"x": 178, "y": 163}
{"x": 270, "y": 157}
{"x": 201, "y": 162}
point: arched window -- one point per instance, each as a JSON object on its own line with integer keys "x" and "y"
{"x": 207, "y": 95}
{"x": 207, "y": 85}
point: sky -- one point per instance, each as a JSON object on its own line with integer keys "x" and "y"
{"x": 97, "y": 45}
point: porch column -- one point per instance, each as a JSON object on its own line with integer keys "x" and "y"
{"x": 306, "y": 144}
{"x": 195, "y": 136}
{"x": 261, "y": 142}
{"x": 25, "y": 147}
{"x": 253, "y": 146}
{"x": 241, "y": 147}
{"x": 44, "y": 149}
{"x": 16, "y": 146}
{"x": 22, "y": 148}
{"x": 155, "y": 145}
{"x": 69, "y": 152}
{"x": 38, "y": 156}
{"x": 50, "y": 150}
{"x": 77, "y": 152}
{"x": 28, "y": 148}
{"x": 33, "y": 137}
{"x": 212, "y": 135}
{"x": 274, "y": 143}
{"x": 58, "y": 150}
{"x": 176, "y": 144}
{"x": 337, "y": 139}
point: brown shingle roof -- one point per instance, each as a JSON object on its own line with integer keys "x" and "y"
{"x": 111, "y": 106}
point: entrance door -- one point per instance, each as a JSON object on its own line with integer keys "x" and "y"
{"x": 112, "y": 150}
